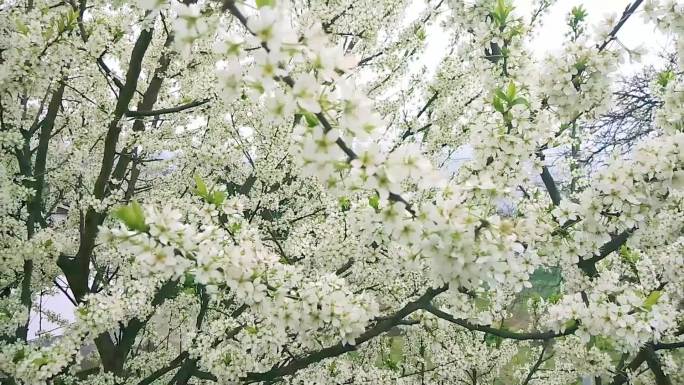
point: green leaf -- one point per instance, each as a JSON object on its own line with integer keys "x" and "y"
{"x": 498, "y": 104}
{"x": 628, "y": 255}
{"x": 332, "y": 369}
{"x": 396, "y": 353}
{"x": 132, "y": 216}
{"x": 265, "y": 3}
{"x": 201, "y": 187}
{"x": 21, "y": 27}
{"x": 19, "y": 355}
{"x": 579, "y": 13}
{"x": 188, "y": 280}
{"x": 501, "y": 12}
{"x": 665, "y": 77}
{"x": 235, "y": 227}
{"x": 652, "y": 299}
{"x": 311, "y": 119}
{"x": 519, "y": 101}
{"x": 420, "y": 33}
{"x": 603, "y": 343}
{"x": 345, "y": 203}
{"x": 491, "y": 339}
{"x": 500, "y": 94}
{"x": 374, "y": 202}
{"x": 218, "y": 197}
{"x": 555, "y": 297}
{"x": 40, "y": 361}
{"x": 510, "y": 92}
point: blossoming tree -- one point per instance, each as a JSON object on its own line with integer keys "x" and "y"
{"x": 270, "y": 191}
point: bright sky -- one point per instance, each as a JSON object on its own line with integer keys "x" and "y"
{"x": 634, "y": 33}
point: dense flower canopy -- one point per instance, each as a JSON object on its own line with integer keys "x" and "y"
{"x": 250, "y": 192}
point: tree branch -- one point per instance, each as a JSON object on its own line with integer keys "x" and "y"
{"x": 550, "y": 185}
{"x": 537, "y": 364}
{"x": 589, "y": 265}
{"x": 169, "y": 110}
{"x": 629, "y": 11}
{"x": 499, "y": 332}
{"x": 656, "y": 368}
{"x": 295, "y": 365}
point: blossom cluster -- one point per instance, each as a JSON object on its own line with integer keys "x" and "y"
{"x": 630, "y": 320}
{"x": 217, "y": 249}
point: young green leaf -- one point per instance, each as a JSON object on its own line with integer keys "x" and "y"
{"x": 510, "y": 92}
{"x": 311, "y": 119}
{"x": 498, "y": 104}
{"x": 218, "y": 197}
{"x": 132, "y": 216}
{"x": 374, "y": 202}
{"x": 265, "y": 3}
{"x": 652, "y": 299}
{"x": 201, "y": 187}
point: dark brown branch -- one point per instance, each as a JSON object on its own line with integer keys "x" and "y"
{"x": 499, "y": 332}
{"x": 169, "y": 110}
{"x": 537, "y": 364}
{"x": 629, "y": 11}
{"x": 347, "y": 265}
{"x": 35, "y": 203}
{"x": 176, "y": 362}
{"x": 669, "y": 345}
{"x": 77, "y": 269}
{"x": 656, "y": 368}
{"x": 333, "y": 351}
{"x": 589, "y": 265}
{"x": 550, "y": 185}
{"x": 620, "y": 377}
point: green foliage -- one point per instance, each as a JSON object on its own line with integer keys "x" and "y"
{"x": 66, "y": 22}
{"x": 578, "y": 16}
{"x": 189, "y": 286}
{"x": 555, "y": 298}
{"x": 311, "y": 119}
{"x": 664, "y": 78}
{"x": 215, "y": 197}
{"x": 602, "y": 343}
{"x": 652, "y": 299}
{"x": 345, "y": 203}
{"x": 504, "y": 101}
{"x": 21, "y": 27}
{"x": 235, "y": 227}
{"x": 502, "y": 10}
{"x": 265, "y": 3}
{"x": 395, "y": 356}
{"x": 493, "y": 340}
{"x": 628, "y": 255}
{"x": 40, "y": 361}
{"x": 581, "y": 65}
{"x": 420, "y": 33}
{"x": 570, "y": 324}
{"x": 374, "y": 201}
{"x": 332, "y": 369}
{"x": 19, "y": 355}
{"x": 132, "y": 216}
